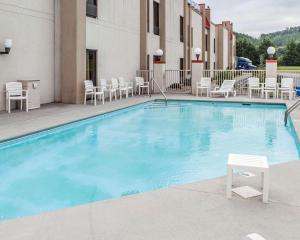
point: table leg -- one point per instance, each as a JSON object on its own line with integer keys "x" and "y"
{"x": 266, "y": 186}
{"x": 229, "y": 182}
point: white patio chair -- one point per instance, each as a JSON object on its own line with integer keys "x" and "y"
{"x": 204, "y": 84}
{"x": 226, "y": 88}
{"x": 270, "y": 87}
{"x": 141, "y": 85}
{"x": 107, "y": 88}
{"x": 254, "y": 85}
{"x": 125, "y": 87}
{"x": 286, "y": 85}
{"x": 92, "y": 91}
{"x": 15, "y": 92}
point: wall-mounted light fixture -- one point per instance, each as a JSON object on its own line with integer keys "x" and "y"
{"x": 271, "y": 52}
{"x": 159, "y": 53}
{"x": 7, "y": 46}
{"x": 197, "y": 52}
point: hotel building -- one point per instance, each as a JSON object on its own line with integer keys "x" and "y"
{"x": 63, "y": 42}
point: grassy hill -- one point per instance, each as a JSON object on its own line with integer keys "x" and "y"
{"x": 279, "y": 38}
{"x": 282, "y": 38}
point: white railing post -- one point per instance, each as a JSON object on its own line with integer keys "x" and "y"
{"x": 271, "y": 68}
{"x": 197, "y": 74}
{"x": 159, "y": 70}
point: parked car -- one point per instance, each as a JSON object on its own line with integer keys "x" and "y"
{"x": 244, "y": 64}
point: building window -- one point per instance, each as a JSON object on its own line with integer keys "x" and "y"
{"x": 181, "y": 63}
{"x": 206, "y": 42}
{"x": 192, "y": 37}
{"x": 148, "y": 16}
{"x": 91, "y": 65}
{"x": 206, "y": 65}
{"x": 214, "y": 65}
{"x": 91, "y": 8}
{"x": 148, "y": 62}
{"x": 181, "y": 29}
{"x": 156, "y": 18}
{"x": 214, "y": 45}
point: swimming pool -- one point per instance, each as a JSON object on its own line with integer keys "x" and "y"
{"x": 138, "y": 149}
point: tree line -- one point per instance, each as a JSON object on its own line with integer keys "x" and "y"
{"x": 288, "y": 56}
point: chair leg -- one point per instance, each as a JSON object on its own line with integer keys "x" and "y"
{"x": 95, "y": 99}
{"x": 84, "y": 102}
{"x": 103, "y": 99}
{"x": 8, "y": 105}
{"x": 21, "y": 104}
{"x": 27, "y": 104}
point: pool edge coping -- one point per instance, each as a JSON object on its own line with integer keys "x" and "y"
{"x": 6, "y": 140}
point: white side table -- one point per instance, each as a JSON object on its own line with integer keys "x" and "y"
{"x": 249, "y": 163}
{"x": 33, "y": 88}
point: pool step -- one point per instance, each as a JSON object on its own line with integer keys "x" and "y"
{"x": 162, "y": 104}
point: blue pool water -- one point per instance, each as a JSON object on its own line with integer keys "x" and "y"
{"x": 138, "y": 149}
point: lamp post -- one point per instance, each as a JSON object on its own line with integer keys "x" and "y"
{"x": 7, "y": 46}
{"x": 271, "y": 52}
{"x": 197, "y": 52}
{"x": 271, "y": 64}
{"x": 159, "y": 53}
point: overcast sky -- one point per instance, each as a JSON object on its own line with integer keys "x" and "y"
{"x": 256, "y": 16}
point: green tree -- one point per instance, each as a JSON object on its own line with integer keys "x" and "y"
{"x": 297, "y": 60}
{"x": 248, "y": 50}
{"x": 290, "y": 54}
{"x": 262, "y": 49}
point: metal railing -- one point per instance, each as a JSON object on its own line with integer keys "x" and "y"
{"x": 159, "y": 88}
{"x": 148, "y": 76}
{"x": 291, "y": 109}
{"x": 241, "y": 77}
{"x": 289, "y": 74}
{"x": 178, "y": 81}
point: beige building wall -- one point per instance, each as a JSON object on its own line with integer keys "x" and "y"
{"x": 174, "y": 48}
{"x": 153, "y": 41}
{"x": 225, "y": 49}
{"x": 197, "y": 32}
{"x": 115, "y": 34}
{"x": 30, "y": 24}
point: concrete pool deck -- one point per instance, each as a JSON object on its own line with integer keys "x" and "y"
{"x": 193, "y": 211}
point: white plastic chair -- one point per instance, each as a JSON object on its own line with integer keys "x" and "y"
{"x": 226, "y": 88}
{"x": 107, "y": 88}
{"x": 92, "y": 91}
{"x": 254, "y": 85}
{"x": 15, "y": 92}
{"x": 124, "y": 87}
{"x": 204, "y": 84}
{"x": 141, "y": 85}
{"x": 287, "y": 84}
{"x": 270, "y": 87}
{"x": 115, "y": 84}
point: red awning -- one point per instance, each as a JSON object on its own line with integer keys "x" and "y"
{"x": 207, "y": 23}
